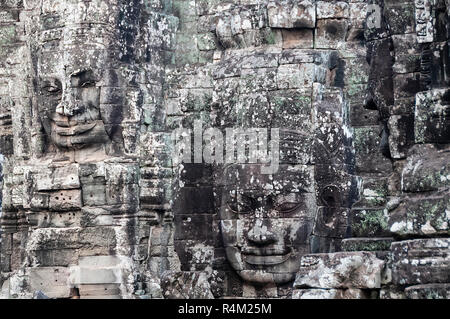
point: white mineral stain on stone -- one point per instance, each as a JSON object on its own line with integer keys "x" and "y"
{"x": 427, "y": 228}
{"x": 398, "y": 226}
{"x": 368, "y": 192}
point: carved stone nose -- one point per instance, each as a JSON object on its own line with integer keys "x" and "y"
{"x": 369, "y": 103}
{"x": 60, "y": 109}
{"x": 260, "y": 234}
{"x": 68, "y": 106}
{"x": 67, "y": 109}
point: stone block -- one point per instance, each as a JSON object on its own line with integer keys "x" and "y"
{"x": 406, "y": 85}
{"x": 358, "y": 14}
{"x": 331, "y": 294}
{"x": 360, "y": 270}
{"x": 292, "y": 76}
{"x": 291, "y": 14}
{"x": 180, "y": 285}
{"x": 392, "y": 292}
{"x": 99, "y": 261}
{"x": 297, "y": 38}
{"x": 97, "y": 290}
{"x": 374, "y": 193}
{"x": 331, "y": 145}
{"x": 196, "y": 226}
{"x": 360, "y": 116}
{"x": 194, "y": 200}
{"x": 292, "y": 109}
{"x": 331, "y": 222}
{"x": 421, "y": 261}
{"x": 65, "y": 200}
{"x": 58, "y": 178}
{"x": 338, "y": 180}
{"x": 330, "y": 33}
{"x": 367, "y": 244}
{"x": 401, "y": 134}
{"x": 85, "y": 275}
{"x": 356, "y": 71}
{"x": 429, "y": 291}
{"x": 432, "y": 116}
{"x": 336, "y": 10}
{"x": 401, "y": 17}
{"x": 258, "y": 80}
{"x": 427, "y": 169}
{"x": 369, "y": 159}
{"x": 369, "y": 222}
{"x": 421, "y": 215}
{"x": 296, "y": 56}
{"x": 94, "y": 194}
{"x": 52, "y": 281}
{"x": 424, "y": 21}
{"x": 93, "y": 216}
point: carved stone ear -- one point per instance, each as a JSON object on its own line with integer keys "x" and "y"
{"x": 6, "y": 140}
{"x": 331, "y": 196}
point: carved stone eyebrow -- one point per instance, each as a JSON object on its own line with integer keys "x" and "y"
{"x": 49, "y": 81}
{"x": 80, "y": 76}
{"x": 289, "y": 197}
{"x": 79, "y": 72}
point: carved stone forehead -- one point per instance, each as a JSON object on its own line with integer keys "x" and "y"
{"x": 72, "y": 47}
{"x": 66, "y": 62}
{"x": 79, "y": 11}
{"x": 289, "y": 178}
{"x": 76, "y": 34}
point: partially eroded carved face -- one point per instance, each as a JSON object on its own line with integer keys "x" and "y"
{"x": 266, "y": 221}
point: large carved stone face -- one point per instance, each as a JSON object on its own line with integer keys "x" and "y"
{"x": 69, "y": 102}
{"x": 266, "y": 221}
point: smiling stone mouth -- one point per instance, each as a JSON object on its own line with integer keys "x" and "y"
{"x": 265, "y": 260}
{"x": 266, "y": 256}
{"x": 74, "y": 130}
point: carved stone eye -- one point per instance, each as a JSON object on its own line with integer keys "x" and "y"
{"x": 288, "y": 207}
{"x": 331, "y": 196}
{"x": 87, "y": 84}
{"x": 243, "y": 205}
{"x": 51, "y": 89}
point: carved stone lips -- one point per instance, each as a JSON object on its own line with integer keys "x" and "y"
{"x": 265, "y": 256}
{"x": 74, "y": 130}
{"x": 269, "y": 260}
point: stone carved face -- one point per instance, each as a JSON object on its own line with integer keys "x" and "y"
{"x": 69, "y": 110}
{"x": 69, "y": 103}
{"x": 266, "y": 221}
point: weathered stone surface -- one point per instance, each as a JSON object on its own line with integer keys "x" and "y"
{"x": 99, "y": 291}
{"x": 389, "y": 292}
{"x": 186, "y": 285}
{"x": 340, "y": 270}
{"x": 331, "y": 294}
{"x": 291, "y": 14}
{"x": 426, "y": 170}
{"x": 421, "y": 216}
{"x": 432, "y": 115}
{"x": 368, "y": 156}
{"x": 429, "y": 291}
{"x": 420, "y": 261}
{"x": 331, "y": 33}
{"x": 52, "y": 281}
{"x": 370, "y": 222}
{"x": 367, "y": 244}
